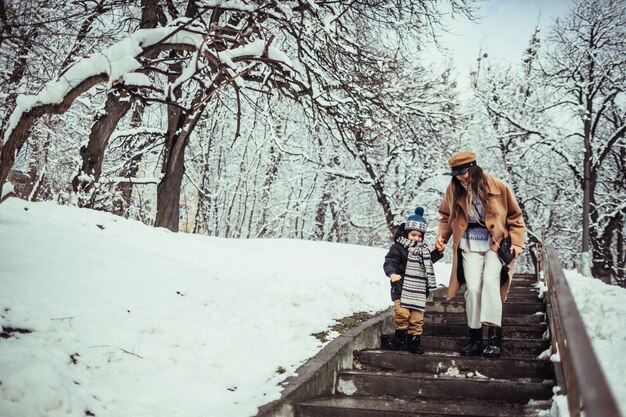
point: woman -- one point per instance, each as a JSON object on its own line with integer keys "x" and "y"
{"x": 478, "y": 210}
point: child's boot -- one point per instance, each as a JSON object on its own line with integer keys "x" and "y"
{"x": 398, "y": 342}
{"x": 414, "y": 344}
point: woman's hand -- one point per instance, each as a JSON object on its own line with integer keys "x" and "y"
{"x": 440, "y": 244}
{"x": 517, "y": 250}
{"x": 395, "y": 277}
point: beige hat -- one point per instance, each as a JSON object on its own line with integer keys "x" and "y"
{"x": 461, "y": 162}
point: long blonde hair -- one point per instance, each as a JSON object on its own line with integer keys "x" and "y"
{"x": 477, "y": 186}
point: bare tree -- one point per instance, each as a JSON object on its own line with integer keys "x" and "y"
{"x": 231, "y": 49}
{"x": 586, "y": 67}
{"x": 40, "y": 40}
{"x": 211, "y": 69}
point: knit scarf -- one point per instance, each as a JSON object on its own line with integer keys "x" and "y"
{"x": 419, "y": 275}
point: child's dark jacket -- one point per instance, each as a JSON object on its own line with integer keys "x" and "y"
{"x": 395, "y": 262}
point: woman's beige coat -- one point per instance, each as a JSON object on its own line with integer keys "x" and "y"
{"x": 502, "y": 216}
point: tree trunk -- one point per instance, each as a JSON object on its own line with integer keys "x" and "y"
{"x": 270, "y": 177}
{"x": 377, "y": 185}
{"x": 19, "y": 69}
{"x": 117, "y": 105}
{"x": 621, "y": 253}
{"x": 320, "y": 213}
{"x": 125, "y": 190}
{"x": 205, "y": 200}
{"x": 586, "y": 259}
{"x": 180, "y": 127}
{"x": 337, "y": 227}
{"x": 323, "y": 205}
{"x": 201, "y": 224}
{"x": 603, "y": 265}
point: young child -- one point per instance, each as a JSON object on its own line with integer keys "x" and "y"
{"x": 409, "y": 266}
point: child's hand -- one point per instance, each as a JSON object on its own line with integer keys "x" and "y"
{"x": 395, "y": 277}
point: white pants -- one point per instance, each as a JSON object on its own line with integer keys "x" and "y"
{"x": 482, "y": 297}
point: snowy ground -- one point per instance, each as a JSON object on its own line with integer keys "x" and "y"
{"x": 128, "y": 320}
{"x": 603, "y": 310}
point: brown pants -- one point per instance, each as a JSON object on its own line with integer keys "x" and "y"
{"x": 406, "y": 319}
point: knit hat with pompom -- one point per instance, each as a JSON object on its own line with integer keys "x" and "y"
{"x": 416, "y": 221}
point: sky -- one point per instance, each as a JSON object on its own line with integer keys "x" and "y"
{"x": 503, "y": 31}
{"x": 128, "y": 320}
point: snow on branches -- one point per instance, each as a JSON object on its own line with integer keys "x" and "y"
{"x": 215, "y": 62}
{"x": 118, "y": 62}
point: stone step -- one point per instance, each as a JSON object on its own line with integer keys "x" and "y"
{"x": 510, "y": 347}
{"x": 529, "y": 297}
{"x": 357, "y": 406}
{"x": 433, "y": 363}
{"x": 509, "y": 307}
{"x": 421, "y": 386}
{"x": 514, "y": 293}
{"x": 522, "y": 283}
{"x": 523, "y": 331}
{"x": 453, "y": 344}
{"x": 461, "y": 318}
{"x": 524, "y": 277}
{"x": 514, "y": 289}
{"x": 386, "y": 383}
{"x": 522, "y": 290}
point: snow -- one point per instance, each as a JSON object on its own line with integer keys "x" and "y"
{"x": 603, "y": 308}
{"x": 255, "y": 48}
{"x": 559, "y": 408}
{"x": 137, "y": 79}
{"x": 115, "y": 61}
{"x": 129, "y": 320}
{"x": 232, "y": 4}
{"x": 119, "y": 61}
{"x": 7, "y": 188}
{"x": 455, "y": 372}
{"x": 160, "y": 323}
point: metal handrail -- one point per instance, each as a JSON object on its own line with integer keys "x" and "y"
{"x": 585, "y": 384}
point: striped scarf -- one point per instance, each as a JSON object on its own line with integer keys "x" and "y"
{"x": 419, "y": 275}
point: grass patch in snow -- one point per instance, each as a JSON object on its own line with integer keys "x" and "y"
{"x": 344, "y": 324}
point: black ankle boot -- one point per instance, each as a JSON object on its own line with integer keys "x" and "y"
{"x": 475, "y": 347}
{"x": 414, "y": 344}
{"x": 494, "y": 342}
{"x": 398, "y": 342}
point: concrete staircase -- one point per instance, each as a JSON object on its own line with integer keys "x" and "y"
{"x": 441, "y": 382}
